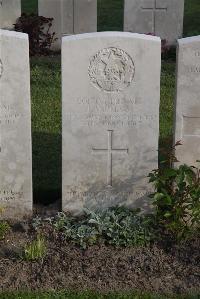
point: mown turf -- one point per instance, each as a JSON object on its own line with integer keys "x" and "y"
{"x": 192, "y": 18}
{"x": 46, "y": 127}
{"x": 29, "y": 6}
{"x": 110, "y": 15}
{"x": 74, "y": 295}
{"x": 46, "y": 98}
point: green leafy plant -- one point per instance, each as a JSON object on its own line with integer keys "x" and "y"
{"x": 77, "y": 230}
{"x": 116, "y": 226}
{"x": 37, "y": 223}
{"x": 35, "y": 250}
{"x": 38, "y": 29}
{"x": 177, "y": 196}
{"x": 123, "y": 227}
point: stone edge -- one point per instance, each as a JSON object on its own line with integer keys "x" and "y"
{"x": 187, "y": 40}
{"x": 10, "y": 33}
{"x": 120, "y": 34}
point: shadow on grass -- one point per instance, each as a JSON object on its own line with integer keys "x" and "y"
{"x": 165, "y": 145}
{"x": 47, "y": 166}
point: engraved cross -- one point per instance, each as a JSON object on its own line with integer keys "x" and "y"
{"x": 154, "y": 8}
{"x": 110, "y": 151}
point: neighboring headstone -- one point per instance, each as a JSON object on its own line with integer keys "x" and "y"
{"x": 163, "y": 18}
{"x": 111, "y": 93}
{"x": 187, "y": 124}
{"x": 10, "y": 11}
{"x": 70, "y": 17}
{"x": 85, "y": 16}
{"x": 15, "y": 125}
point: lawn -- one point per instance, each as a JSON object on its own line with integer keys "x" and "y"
{"x": 73, "y": 295}
{"x": 46, "y": 98}
{"x": 29, "y": 6}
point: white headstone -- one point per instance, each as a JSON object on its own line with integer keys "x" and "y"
{"x": 163, "y": 18}
{"x": 70, "y": 17}
{"x": 15, "y": 125}
{"x": 111, "y": 93}
{"x": 187, "y": 124}
{"x": 10, "y": 11}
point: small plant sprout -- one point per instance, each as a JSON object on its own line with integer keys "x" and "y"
{"x": 4, "y": 226}
{"x": 35, "y": 250}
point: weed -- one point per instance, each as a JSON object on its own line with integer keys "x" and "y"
{"x": 4, "y": 228}
{"x": 35, "y": 250}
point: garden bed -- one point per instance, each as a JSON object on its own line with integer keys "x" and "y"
{"x": 157, "y": 268}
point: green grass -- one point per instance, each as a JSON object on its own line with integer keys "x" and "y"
{"x": 46, "y": 127}
{"x": 76, "y": 295}
{"x": 46, "y": 98}
{"x": 110, "y": 15}
{"x": 29, "y": 6}
{"x": 4, "y": 228}
{"x": 192, "y": 19}
{"x": 166, "y": 101}
{"x": 35, "y": 250}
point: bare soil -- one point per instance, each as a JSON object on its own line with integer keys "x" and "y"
{"x": 157, "y": 268}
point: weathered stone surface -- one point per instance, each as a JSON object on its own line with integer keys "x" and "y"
{"x": 70, "y": 17}
{"x": 187, "y": 121}
{"x": 15, "y": 125}
{"x": 163, "y": 18}
{"x": 85, "y": 16}
{"x": 10, "y": 11}
{"x": 111, "y": 93}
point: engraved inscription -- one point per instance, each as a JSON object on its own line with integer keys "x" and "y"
{"x": 10, "y": 195}
{"x": 111, "y": 70}
{"x": 110, "y": 151}
{"x": 116, "y": 112}
{"x": 112, "y": 105}
{"x": 117, "y": 120}
{"x": 76, "y": 193}
{"x": 194, "y": 69}
{"x": 8, "y": 114}
{"x": 1, "y": 68}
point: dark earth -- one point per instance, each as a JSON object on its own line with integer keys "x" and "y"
{"x": 159, "y": 268}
